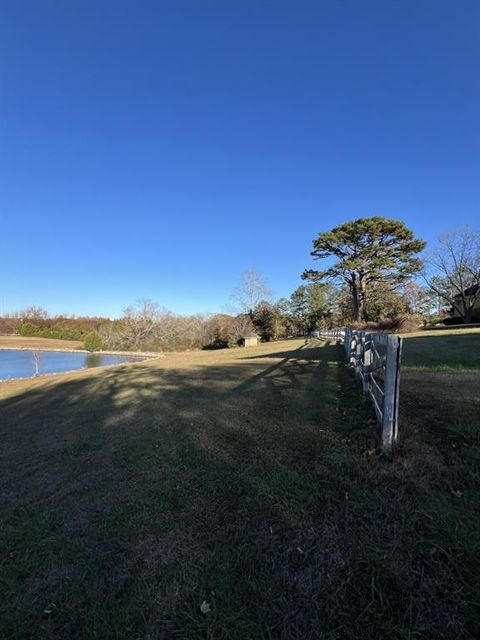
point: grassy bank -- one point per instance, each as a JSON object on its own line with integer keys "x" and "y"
{"x": 453, "y": 350}
{"x": 19, "y": 342}
{"x": 243, "y": 480}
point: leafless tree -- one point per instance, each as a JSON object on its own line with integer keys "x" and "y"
{"x": 140, "y": 323}
{"x": 111, "y": 335}
{"x": 250, "y": 290}
{"x": 452, "y": 270}
{"x": 36, "y": 357}
{"x": 241, "y": 325}
{"x": 33, "y": 313}
{"x": 194, "y": 330}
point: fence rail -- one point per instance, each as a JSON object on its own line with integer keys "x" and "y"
{"x": 332, "y": 334}
{"x": 376, "y": 360}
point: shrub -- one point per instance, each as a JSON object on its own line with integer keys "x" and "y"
{"x": 29, "y": 330}
{"x": 404, "y": 323}
{"x": 93, "y": 342}
{"x": 57, "y": 332}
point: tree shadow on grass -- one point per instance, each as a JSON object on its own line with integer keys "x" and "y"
{"x": 131, "y": 496}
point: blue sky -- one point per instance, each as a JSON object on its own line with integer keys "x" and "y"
{"x": 158, "y": 149}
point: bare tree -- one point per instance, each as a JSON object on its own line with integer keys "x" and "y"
{"x": 452, "y": 270}
{"x": 421, "y": 301}
{"x": 241, "y": 325}
{"x": 33, "y": 313}
{"x": 36, "y": 357}
{"x": 250, "y": 290}
{"x": 140, "y": 323}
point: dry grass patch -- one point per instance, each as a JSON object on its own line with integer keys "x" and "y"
{"x": 19, "y": 342}
{"x": 238, "y": 478}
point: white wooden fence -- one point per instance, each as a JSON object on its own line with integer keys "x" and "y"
{"x": 333, "y": 334}
{"x": 376, "y": 359}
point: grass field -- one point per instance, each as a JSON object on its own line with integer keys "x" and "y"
{"x": 245, "y": 481}
{"x": 20, "y": 342}
{"x": 443, "y": 350}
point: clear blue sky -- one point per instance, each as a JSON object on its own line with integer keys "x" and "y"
{"x": 158, "y": 149}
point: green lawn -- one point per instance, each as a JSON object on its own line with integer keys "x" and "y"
{"x": 443, "y": 350}
{"x": 245, "y": 480}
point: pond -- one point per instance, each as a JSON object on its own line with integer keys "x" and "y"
{"x": 20, "y": 363}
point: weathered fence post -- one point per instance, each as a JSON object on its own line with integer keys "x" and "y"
{"x": 348, "y": 341}
{"x": 358, "y": 353}
{"x": 391, "y": 390}
{"x": 367, "y": 361}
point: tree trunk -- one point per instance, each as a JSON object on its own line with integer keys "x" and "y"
{"x": 357, "y": 303}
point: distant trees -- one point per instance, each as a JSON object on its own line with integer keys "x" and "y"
{"x": 369, "y": 278}
{"x": 312, "y": 304}
{"x": 421, "y": 301}
{"x": 367, "y": 252}
{"x": 452, "y": 271}
{"x": 382, "y": 301}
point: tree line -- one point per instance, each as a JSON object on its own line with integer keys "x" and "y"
{"x": 375, "y": 260}
{"x": 374, "y": 273}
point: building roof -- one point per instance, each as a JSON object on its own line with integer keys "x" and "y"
{"x": 251, "y": 334}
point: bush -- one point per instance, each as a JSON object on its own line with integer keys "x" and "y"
{"x": 93, "y": 342}
{"x": 57, "y": 332}
{"x": 29, "y": 330}
{"x": 404, "y": 323}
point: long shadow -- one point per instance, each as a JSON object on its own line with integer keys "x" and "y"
{"x": 131, "y": 497}
{"x": 285, "y": 372}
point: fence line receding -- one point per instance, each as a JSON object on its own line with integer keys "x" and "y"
{"x": 376, "y": 359}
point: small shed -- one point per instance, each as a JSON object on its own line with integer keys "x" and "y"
{"x": 249, "y": 340}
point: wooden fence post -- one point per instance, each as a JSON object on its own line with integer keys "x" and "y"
{"x": 359, "y": 353}
{"x": 348, "y": 341}
{"x": 391, "y": 397}
{"x": 367, "y": 361}
{"x": 397, "y": 388}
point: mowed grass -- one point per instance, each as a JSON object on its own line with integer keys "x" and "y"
{"x": 443, "y": 350}
{"x": 245, "y": 480}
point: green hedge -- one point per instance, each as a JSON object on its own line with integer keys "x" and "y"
{"x": 30, "y": 330}
{"x": 93, "y": 342}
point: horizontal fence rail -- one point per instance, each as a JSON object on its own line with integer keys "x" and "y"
{"x": 376, "y": 360}
{"x": 332, "y": 334}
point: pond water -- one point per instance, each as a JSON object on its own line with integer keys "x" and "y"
{"x": 19, "y": 363}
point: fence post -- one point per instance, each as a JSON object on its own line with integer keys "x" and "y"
{"x": 397, "y": 388}
{"x": 347, "y": 341}
{"x": 359, "y": 353}
{"x": 367, "y": 361}
{"x": 391, "y": 397}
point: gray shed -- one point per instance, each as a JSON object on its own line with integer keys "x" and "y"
{"x": 249, "y": 340}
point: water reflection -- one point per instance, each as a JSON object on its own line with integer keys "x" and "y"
{"x": 20, "y": 363}
{"x": 93, "y": 360}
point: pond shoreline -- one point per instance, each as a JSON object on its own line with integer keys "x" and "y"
{"x": 61, "y": 373}
{"x": 130, "y": 358}
{"x": 135, "y": 354}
